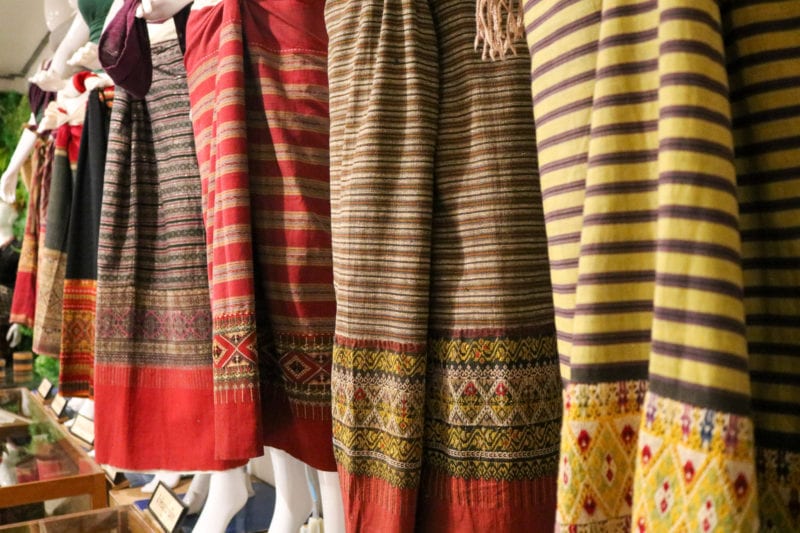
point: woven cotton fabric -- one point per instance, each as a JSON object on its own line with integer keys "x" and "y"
{"x": 668, "y": 152}
{"x": 446, "y": 396}
{"x": 80, "y": 276}
{"x": 23, "y": 303}
{"x": 153, "y": 380}
{"x": 52, "y": 256}
{"x": 259, "y": 94}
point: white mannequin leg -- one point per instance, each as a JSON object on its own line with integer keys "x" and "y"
{"x": 227, "y": 494}
{"x": 332, "y": 506}
{"x": 292, "y": 498}
{"x": 197, "y": 492}
{"x": 170, "y": 479}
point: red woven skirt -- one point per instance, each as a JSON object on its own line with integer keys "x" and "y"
{"x": 257, "y": 76}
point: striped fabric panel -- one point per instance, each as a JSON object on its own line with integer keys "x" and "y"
{"x": 763, "y": 58}
{"x": 153, "y": 323}
{"x": 258, "y": 86}
{"x": 666, "y": 137}
{"x": 445, "y": 386}
{"x": 610, "y": 221}
{"x": 763, "y": 51}
{"x": 80, "y": 283}
{"x": 369, "y": 203}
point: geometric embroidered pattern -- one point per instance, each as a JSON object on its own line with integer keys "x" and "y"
{"x": 670, "y": 467}
{"x": 490, "y": 410}
{"x": 235, "y": 352}
{"x": 78, "y": 337}
{"x": 49, "y": 302}
{"x": 695, "y": 470}
{"x": 493, "y": 408}
{"x": 599, "y": 434}
{"x": 304, "y": 373}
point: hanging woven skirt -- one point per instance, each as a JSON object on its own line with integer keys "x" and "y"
{"x": 78, "y": 312}
{"x": 153, "y": 379}
{"x": 258, "y": 86}
{"x": 446, "y": 395}
{"x": 669, "y": 152}
{"x": 53, "y": 255}
{"x": 23, "y": 303}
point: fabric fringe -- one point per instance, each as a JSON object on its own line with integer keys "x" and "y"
{"x": 499, "y": 24}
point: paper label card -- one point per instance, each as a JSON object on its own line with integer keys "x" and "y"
{"x": 58, "y": 405}
{"x": 45, "y": 388}
{"x": 167, "y": 508}
{"x": 83, "y": 428}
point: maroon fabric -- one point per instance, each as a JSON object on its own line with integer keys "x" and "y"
{"x": 38, "y": 99}
{"x": 124, "y": 51}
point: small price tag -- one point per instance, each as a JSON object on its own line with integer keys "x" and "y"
{"x": 45, "y": 388}
{"x": 167, "y": 508}
{"x": 58, "y": 405}
{"x": 83, "y": 428}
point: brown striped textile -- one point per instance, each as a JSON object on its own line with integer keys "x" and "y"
{"x": 445, "y": 384}
{"x": 669, "y": 154}
{"x": 152, "y": 379}
{"x": 23, "y": 304}
{"x": 258, "y": 85}
{"x": 80, "y": 277}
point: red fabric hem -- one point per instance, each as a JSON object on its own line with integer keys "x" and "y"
{"x": 477, "y": 505}
{"x": 371, "y": 504}
{"x": 309, "y": 440}
{"x": 157, "y": 419}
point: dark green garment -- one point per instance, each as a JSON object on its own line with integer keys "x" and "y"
{"x": 94, "y": 13}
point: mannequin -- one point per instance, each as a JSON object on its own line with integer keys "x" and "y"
{"x": 95, "y": 13}
{"x": 55, "y": 76}
{"x": 57, "y": 16}
{"x": 292, "y": 497}
{"x": 9, "y": 261}
{"x": 8, "y": 214}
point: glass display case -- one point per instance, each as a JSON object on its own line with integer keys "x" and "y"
{"x": 40, "y": 460}
{"x": 126, "y": 519}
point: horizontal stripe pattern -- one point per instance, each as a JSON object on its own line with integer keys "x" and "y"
{"x": 23, "y": 302}
{"x": 669, "y": 158}
{"x": 444, "y": 303}
{"x": 763, "y": 51}
{"x": 258, "y": 88}
{"x": 153, "y": 317}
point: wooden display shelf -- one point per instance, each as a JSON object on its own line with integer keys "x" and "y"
{"x": 85, "y": 478}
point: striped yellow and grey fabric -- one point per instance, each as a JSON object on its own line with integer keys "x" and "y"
{"x": 670, "y": 164}
{"x": 446, "y": 396}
